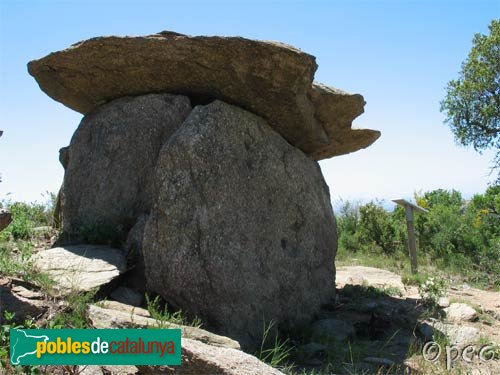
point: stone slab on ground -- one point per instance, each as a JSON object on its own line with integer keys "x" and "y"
{"x": 443, "y": 302}
{"x": 487, "y": 300}
{"x": 459, "y": 312}
{"x": 23, "y": 302}
{"x": 102, "y": 317}
{"x": 376, "y": 277}
{"x": 199, "y": 358}
{"x": 457, "y": 334}
{"x": 80, "y": 268}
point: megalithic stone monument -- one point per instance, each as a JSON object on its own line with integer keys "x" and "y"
{"x": 199, "y": 155}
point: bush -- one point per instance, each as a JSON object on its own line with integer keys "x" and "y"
{"x": 432, "y": 290}
{"x": 369, "y": 227}
{"x": 27, "y": 216}
{"x": 22, "y": 225}
{"x": 455, "y": 234}
{"x": 347, "y": 227}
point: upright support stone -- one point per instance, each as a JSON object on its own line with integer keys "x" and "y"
{"x": 242, "y": 231}
{"x": 110, "y": 161}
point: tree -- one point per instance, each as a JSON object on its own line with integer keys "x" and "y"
{"x": 472, "y": 102}
{"x": 1, "y": 132}
{"x": 440, "y": 197}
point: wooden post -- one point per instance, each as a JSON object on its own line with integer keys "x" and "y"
{"x": 412, "y": 245}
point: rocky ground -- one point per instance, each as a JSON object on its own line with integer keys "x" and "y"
{"x": 376, "y": 325}
{"x": 385, "y": 325}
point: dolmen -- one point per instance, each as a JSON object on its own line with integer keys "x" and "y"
{"x": 198, "y": 157}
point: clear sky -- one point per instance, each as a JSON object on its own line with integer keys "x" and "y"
{"x": 398, "y": 54}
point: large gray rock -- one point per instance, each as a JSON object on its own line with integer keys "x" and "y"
{"x": 333, "y": 329}
{"x": 111, "y": 159}
{"x": 459, "y": 312}
{"x": 270, "y": 79}
{"x": 5, "y": 218}
{"x": 242, "y": 230}
{"x": 457, "y": 334}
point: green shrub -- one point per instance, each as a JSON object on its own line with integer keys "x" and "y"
{"x": 431, "y": 290}
{"x": 26, "y": 217}
{"x": 363, "y": 228}
{"x": 347, "y": 227}
{"x": 164, "y": 318}
{"x": 22, "y": 221}
{"x": 273, "y": 350}
{"x": 8, "y": 323}
{"x": 375, "y": 226}
{"x": 455, "y": 235}
{"x": 73, "y": 315}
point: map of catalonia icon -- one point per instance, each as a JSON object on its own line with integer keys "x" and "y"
{"x": 23, "y": 345}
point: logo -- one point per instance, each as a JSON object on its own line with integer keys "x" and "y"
{"x": 95, "y": 346}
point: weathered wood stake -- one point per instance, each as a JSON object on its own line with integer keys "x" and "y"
{"x": 412, "y": 245}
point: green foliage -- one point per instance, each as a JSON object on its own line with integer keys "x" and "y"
{"x": 26, "y": 217}
{"x": 431, "y": 290}
{"x": 455, "y": 235}
{"x": 99, "y": 232}
{"x": 472, "y": 102}
{"x": 440, "y": 197}
{"x": 414, "y": 279}
{"x": 7, "y": 325}
{"x": 486, "y": 210}
{"x": 376, "y": 227}
{"x": 16, "y": 261}
{"x": 164, "y": 318}
{"x": 273, "y": 350}
{"x": 22, "y": 224}
{"x": 347, "y": 225}
{"x": 368, "y": 228}
{"x": 73, "y": 315}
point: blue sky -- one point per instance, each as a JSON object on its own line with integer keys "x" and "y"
{"x": 398, "y": 54}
